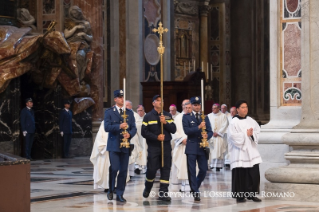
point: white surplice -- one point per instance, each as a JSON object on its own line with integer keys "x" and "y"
{"x": 100, "y": 160}
{"x": 243, "y": 149}
{"x": 179, "y": 176}
{"x": 227, "y": 154}
{"x": 219, "y": 124}
{"x": 142, "y": 150}
{"x": 134, "y": 153}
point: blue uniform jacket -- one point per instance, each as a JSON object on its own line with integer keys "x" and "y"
{"x": 151, "y": 128}
{"x": 65, "y": 121}
{"x": 194, "y": 137}
{"x": 27, "y": 120}
{"x": 112, "y": 121}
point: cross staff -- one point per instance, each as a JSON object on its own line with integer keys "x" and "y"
{"x": 161, "y": 49}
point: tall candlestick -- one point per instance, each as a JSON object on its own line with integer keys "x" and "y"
{"x": 202, "y": 93}
{"x": 202, "y": 66}
{"x": 124, "y": 95}
{"x": 194, "y": 65}
{"x": 207, "y": 72}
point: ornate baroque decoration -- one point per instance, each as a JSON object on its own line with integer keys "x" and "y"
{"x": 152, "y": 12}
{"x": 186, "y": 8}
{"x": 292, "y": 93}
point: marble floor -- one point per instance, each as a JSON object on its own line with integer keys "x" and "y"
{"x": 66, "y": 185}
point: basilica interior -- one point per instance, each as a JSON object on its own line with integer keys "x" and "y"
{"x": 263, "y": 51}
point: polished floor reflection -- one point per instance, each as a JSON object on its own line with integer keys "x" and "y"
{"x": 66, "y": 185}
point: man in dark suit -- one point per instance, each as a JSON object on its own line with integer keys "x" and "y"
{"x": 192, "y": 125}
{"x": 28, "y": 127}
{"x": 119, "y": 156}
{"x": 65, "y": 124}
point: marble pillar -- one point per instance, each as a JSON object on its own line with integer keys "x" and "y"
{"x": 134, "y": 56}
{"x": 282, "y": 118}
{"x": 122, "y": 41}
{"x": 168, "y": 39}
{"x": 301, "y": 175}
{"x": 114, "y": 51}
{"x": 203, "y": 35}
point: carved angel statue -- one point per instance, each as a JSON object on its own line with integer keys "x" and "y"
{"x": 78, "y": 30}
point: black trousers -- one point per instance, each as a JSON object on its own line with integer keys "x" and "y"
{"x": 154, "y": 162}
{"x": 66, "y": 146}
{"x": 28, "y": 141}
{"x": 245, "y": 181}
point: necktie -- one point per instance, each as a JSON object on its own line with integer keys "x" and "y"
{"x": 121, "y": 111}
{"x": 197, "y": 116}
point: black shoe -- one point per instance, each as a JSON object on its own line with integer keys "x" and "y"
{"x": 120, "y": 198}
{"x": 106, "y": 190}
{"x": 196, "y": 196}
{"x": 110, "y": 195}
{"x": 240, "y": 200}
{"x": 217, "y": 169}
{"x": 167, "y": 199}
{"x": 146, "y": 193}
{"x": 137, "y": 171}
{"x": 255, "y": 199}
{"x": 227, "y": 165}
{"x": 212, "y": 167}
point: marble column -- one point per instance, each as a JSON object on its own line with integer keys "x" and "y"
{"x": 122, "y": 41}
{"x": 301, "y": 175}
{"x": 134, "y": 56}
{"x": 114, "y": 51}
{"x": 282, "y": 118}
{"x": 168, "y": 39}
{"x": 203, "y": 34}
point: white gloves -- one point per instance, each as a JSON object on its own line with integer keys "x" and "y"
{"x": 24, "y": 133}
{"x": 61, "y": 134}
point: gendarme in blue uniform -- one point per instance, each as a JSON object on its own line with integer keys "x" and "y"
{"x": 151, "y": 128}
{"x": 65, "y": 125}
{"x": 193, "y": 150}
{"x": 119, "y": 157}
{"x": 27, "y": 122}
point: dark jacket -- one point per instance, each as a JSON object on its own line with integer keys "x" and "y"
{"x": 65, "y": 121}
{"x": 151, "y": 128}
{"x": 112, "y": 121}
{"x": 194, "y": 136}
{"x": 27, "y": 120}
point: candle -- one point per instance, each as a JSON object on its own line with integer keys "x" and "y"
{"x": 189, "y": 66}
{"x": 211, "y": 71}
{"x": 202, "y": 93}
{"x": 124, "y": 91}
{"x": 207, "y": 72}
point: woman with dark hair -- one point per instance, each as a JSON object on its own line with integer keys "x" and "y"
{"x": 243, "y": 135}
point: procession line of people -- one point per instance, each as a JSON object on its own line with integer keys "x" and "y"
{"x": 185, "y": 162}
